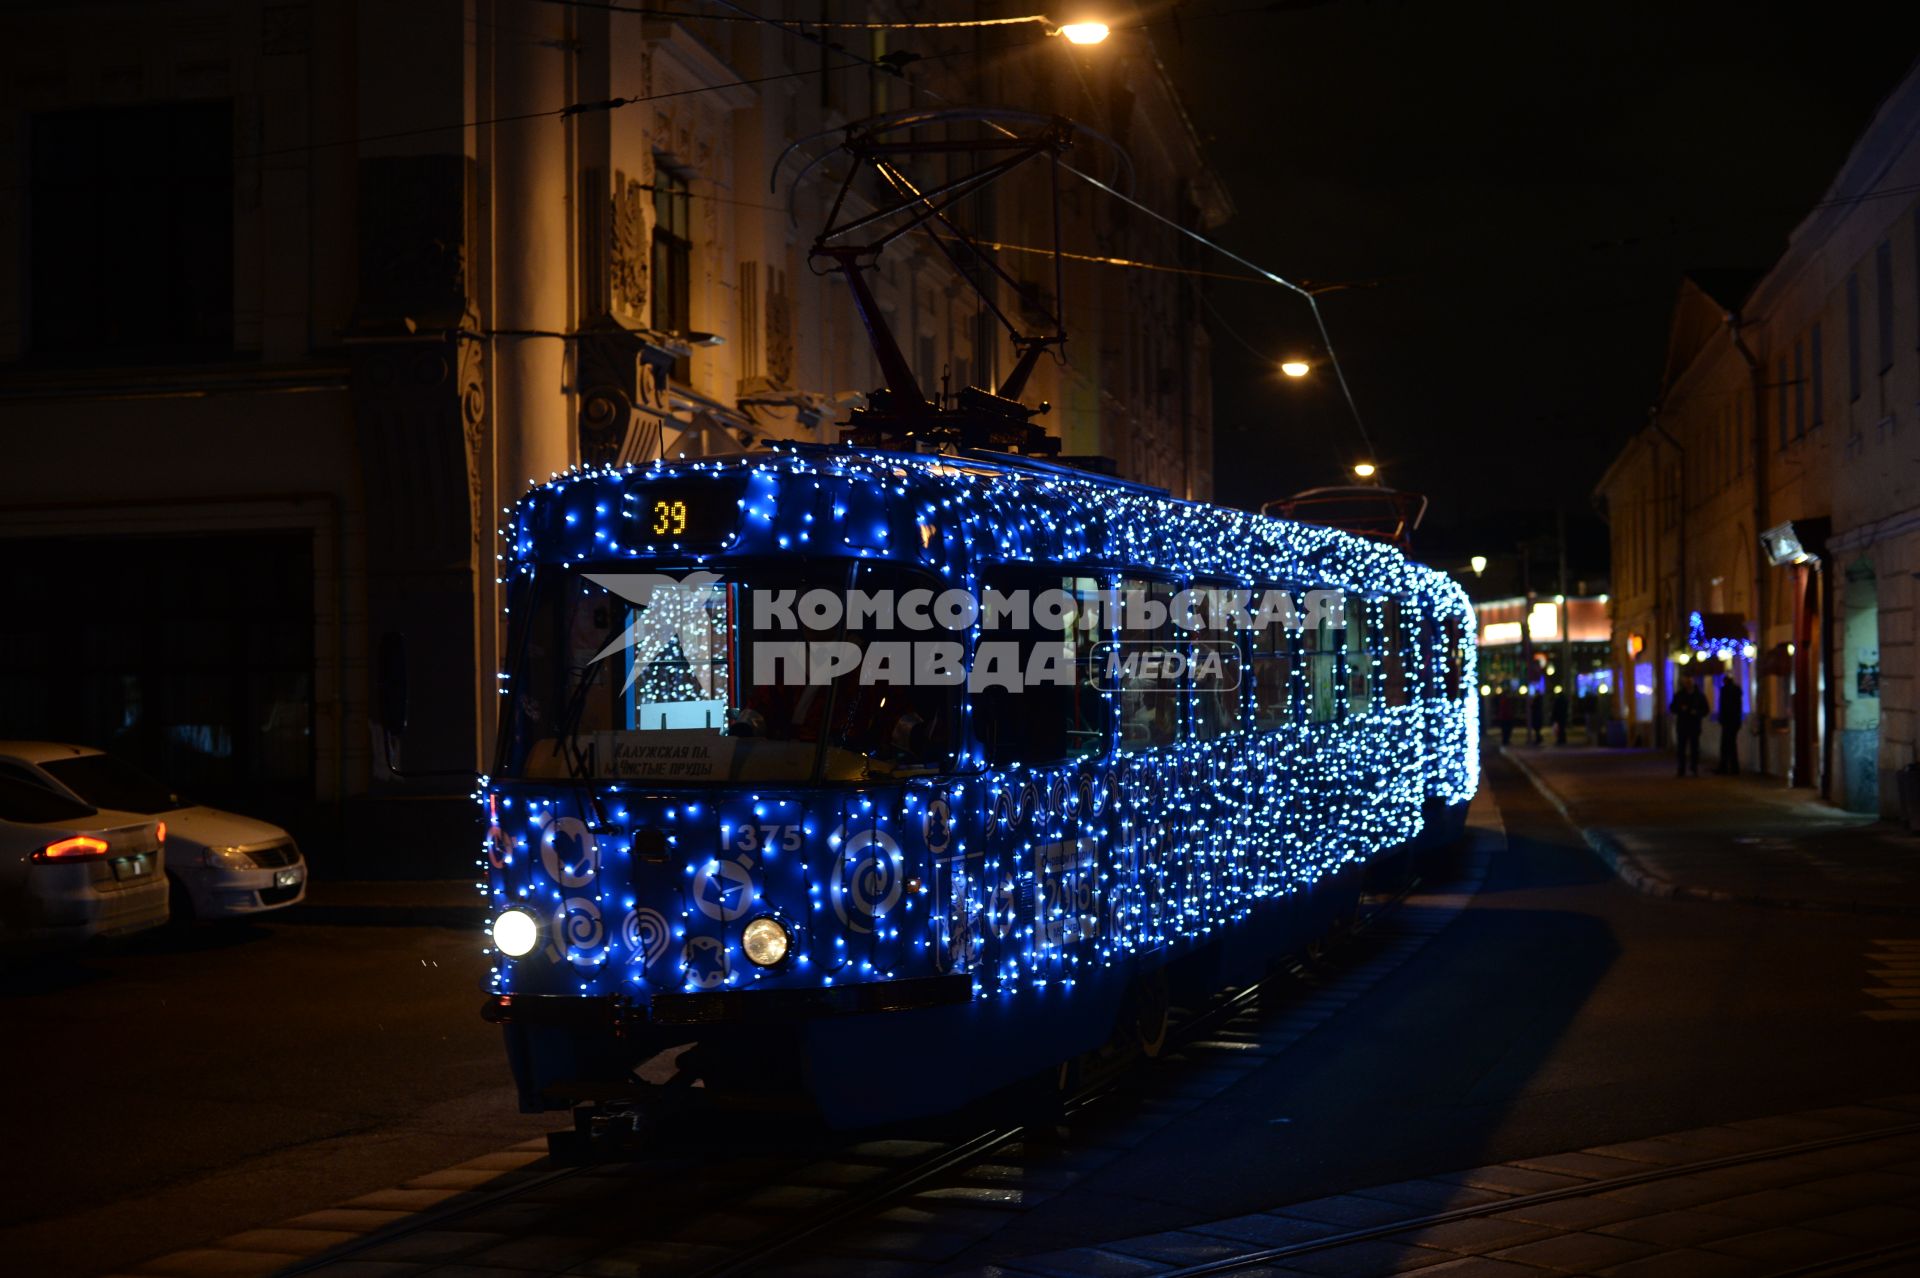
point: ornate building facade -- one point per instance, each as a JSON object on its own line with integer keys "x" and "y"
{"x": 1766, "y": 519}
{"x": 302, "y": 295}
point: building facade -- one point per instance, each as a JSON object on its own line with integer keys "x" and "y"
{"x": 1766, "y": 519}
{"x": 301, "y": 296}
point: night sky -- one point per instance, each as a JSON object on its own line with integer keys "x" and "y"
{"x": 1517, "y": 190}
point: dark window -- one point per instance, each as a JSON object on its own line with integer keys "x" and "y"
{"x": 1326, "y": 702}
{"x": 672, "y": 256}
{"x": 36, "y": 805}
{"x": 1046, "y": 721}
{"x": 1883, "y": 285}
{"x": 1853, "y": 337}
{"x": 1217, "y": 667}
{"x": 1819, "y": 380}
{"x": 1799, "y": 390}
{"x": 131, "y": 232}
{"x": 1149, "y": 697}
{"x": 107, "y": 782}
{"x": 1272, "y": 672}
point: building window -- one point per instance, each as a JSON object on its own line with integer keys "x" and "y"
{"x": 1883, "y": 285}
{"x": 131, "y": 231}
{"x": 1799, "y": 390}
{"x": 1853, "y": 337}
{"x": 1819, "y": 380}
{"x": 672, "y": 257}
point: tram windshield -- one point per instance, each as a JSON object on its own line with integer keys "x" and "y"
{"x": 704, "y": 678}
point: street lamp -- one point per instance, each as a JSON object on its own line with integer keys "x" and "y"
{"x": 1478, "y": 563}
{"x": 1365, "y": 469}
{"x": 1295, "y": 367}
{"x": 1083, "y": 32}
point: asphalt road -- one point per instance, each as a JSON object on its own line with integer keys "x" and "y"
{"x": 196, "y": 1084}
{"x": 195, "y": 1087}
{"x": 1560, "y": 1010}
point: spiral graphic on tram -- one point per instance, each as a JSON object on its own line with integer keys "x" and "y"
{"x": 644, "y": 932}
{"x": 869, "y": 878}
{"x": 578, "y": 930}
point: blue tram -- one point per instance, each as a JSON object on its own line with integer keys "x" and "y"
{"x": 859, "y": 850}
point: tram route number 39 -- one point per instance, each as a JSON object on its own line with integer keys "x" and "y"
{"x": 755, "y": 838}
{"x": 669, "y": 517}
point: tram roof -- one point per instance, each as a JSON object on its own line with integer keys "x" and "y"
{"x": 1005, "y": 490}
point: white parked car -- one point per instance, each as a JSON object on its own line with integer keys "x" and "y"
{"x": 221, "y": 864}
{"x": 69, "y": 872}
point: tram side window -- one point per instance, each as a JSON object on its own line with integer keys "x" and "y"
{"x": 1393, "y": 665}
{"x": 1149, "y": 697}
{"x": 1456, "y": 653}
{"x": 1322, "y": 644}
{"x": 884, "y": 721}
{"x": 1218, "y": 676}
{"x": 1062, "y": 714}
{"x": 1363, "y": 628}
{"x": 1272, "y": 674}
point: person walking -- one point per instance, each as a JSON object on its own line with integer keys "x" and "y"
{"x": 1730, "y": 712}
{"x": 1536, "y": 713}
{"x": 1689, "y": 710}
{"x": 1504, "y": 715}
{"x": 1560, "y": 718}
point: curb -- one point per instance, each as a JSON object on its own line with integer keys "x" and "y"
{"x": 1630, "y": 871}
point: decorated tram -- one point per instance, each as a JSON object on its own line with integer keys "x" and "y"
{"x": 889, "y": 779}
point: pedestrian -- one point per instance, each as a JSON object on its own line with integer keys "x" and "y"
{"x": 1504, "y": 715}
{"x": 1559, "y": 718}
{"x": 1730, "y": 712}
{"x": 1689, "y": 710}
{"x": 1536, "y": 715}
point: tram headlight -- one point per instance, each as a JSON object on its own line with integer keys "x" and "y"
{"x": 515, "y": 933}
{"x": 766, "y": 941}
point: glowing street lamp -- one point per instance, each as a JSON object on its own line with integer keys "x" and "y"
{"x": 1478, "y": 564}
{"x": 1365, "y": 469}
{"x": 1295, "y": 367}
{"x": 1084, "y": 32}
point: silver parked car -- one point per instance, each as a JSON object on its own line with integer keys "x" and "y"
{"x": 69, "y": 873}
{"x": 221, "y": 864}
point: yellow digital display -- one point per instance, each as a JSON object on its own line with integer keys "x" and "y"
{"x": 669, "y": 517}
{"x": 678, "y": 512}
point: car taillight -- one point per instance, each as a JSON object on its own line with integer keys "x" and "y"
{"x": 78, "y": 848}
{"x": 161, "y": 832}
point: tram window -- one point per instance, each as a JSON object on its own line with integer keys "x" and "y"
{"x": 884, "y": 720}
{"x": 1324, "y": 702}
{"x": 1363, "y": 623}
{"x": 1217, "y": 669}
{"x": 700, "y": 684}
{"x": 1456, "y": 655}
{"x": 1149, "y": 698}
{"x": 1062, "y": 713}
{"x": 1393, "y": 666}
{"x": 1272, "y": 674}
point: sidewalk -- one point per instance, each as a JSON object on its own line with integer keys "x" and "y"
{"x": 1747, "y": 838}
{"x": 402, "y": 903}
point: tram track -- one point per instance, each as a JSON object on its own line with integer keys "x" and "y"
{"x": 891, "y": 1185}
{"x": 1252, "y": 1000}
